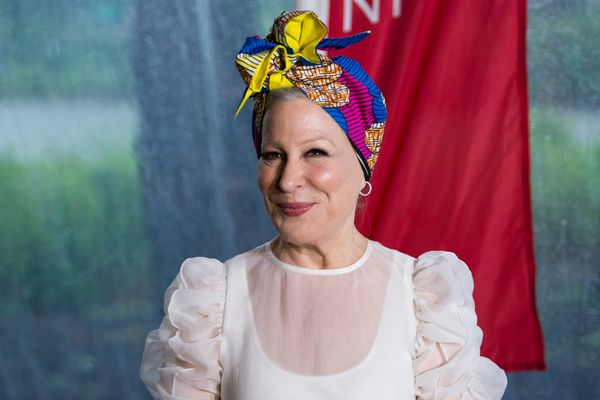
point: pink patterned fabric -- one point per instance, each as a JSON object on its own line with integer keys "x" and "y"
{"x": 339, "y": 84}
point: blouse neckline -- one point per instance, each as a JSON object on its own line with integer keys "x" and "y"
{"x": 320, "y": 271}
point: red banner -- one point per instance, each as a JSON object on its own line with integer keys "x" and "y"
{"x": 453, "y": 173}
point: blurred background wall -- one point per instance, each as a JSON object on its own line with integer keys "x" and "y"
{"x": 120, "y": 157}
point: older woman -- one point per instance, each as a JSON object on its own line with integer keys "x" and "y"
{"x": 320, "y": 311}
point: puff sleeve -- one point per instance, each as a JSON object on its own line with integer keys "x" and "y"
{"x": 181, "y": 357}
{"x": 447, "y": 363}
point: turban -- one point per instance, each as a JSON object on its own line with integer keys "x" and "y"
{"x": 288, "y": 57}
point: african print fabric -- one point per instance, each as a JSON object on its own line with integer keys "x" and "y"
{"x": 289, "y": 57}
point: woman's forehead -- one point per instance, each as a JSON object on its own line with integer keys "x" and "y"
{"x": 299, "y": 140}
{"x": 300, "y": 121}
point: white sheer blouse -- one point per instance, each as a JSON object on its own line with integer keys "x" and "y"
{"x": 388, "y": 327}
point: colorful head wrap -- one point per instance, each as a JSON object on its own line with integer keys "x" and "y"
{"x": 288, "y": 57}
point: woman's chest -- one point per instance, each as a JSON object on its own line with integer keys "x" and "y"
{"x": 288, "y": 336}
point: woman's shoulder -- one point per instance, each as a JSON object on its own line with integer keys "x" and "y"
{"x": 438, "y": 274}
{"x": 198, "y": 273}
{"x": 200, "y": 282}
{"x": 440, "y": 259}
{"x": 425, "y": 259}
{"x": 200, "y": 267}
{"x": 193, "y": 268}
{"x": 444, "y": 275}
{"x": 389, "y": 253}
{"x": 432, "y": 260}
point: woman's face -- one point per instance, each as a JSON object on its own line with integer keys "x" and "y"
{"x": 308, "y": 173}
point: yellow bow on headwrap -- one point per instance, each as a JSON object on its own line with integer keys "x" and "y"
{"x": 263, "y": 63}
{"x": 288, "y": 57}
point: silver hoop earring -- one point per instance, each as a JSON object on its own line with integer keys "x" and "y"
{"x": 367, "y": 183}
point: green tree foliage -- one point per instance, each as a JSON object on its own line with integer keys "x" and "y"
{"x": 73, "y": 267}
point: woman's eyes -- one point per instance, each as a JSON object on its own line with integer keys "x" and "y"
{"x": 269, "y": 155}
{"x": 317, "y": 152}
{"x": 273, "y": 155}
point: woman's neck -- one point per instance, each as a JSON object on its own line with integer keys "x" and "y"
{"x": 339, "y": 251}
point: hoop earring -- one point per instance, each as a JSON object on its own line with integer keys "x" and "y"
{"x": 367, "y": 183}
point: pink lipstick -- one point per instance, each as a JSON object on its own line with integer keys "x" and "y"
{"x": 295, "y": 209}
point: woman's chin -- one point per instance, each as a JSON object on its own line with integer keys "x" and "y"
{"x": 304, "y": 222}
{"x": 294, "y": 234}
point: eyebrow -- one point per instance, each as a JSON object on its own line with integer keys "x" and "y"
{"x": 313, "y": 139}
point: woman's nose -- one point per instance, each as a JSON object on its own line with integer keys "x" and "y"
{"x": 291, "y": 176}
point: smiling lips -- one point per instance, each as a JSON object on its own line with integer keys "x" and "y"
{"x": 294, "y": 209}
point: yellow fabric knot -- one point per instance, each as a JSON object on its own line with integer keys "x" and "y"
{"x": 297, "y": 35}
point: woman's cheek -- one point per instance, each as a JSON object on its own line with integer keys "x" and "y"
{"x": 264, "y": 175}
{"x": 340, "y": 180}
{"x": 326, "y": 178}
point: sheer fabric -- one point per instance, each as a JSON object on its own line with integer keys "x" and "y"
{"x": 181, "y": 357}
{"x": 335, "y": 315}
{"x": 389, "y": 326}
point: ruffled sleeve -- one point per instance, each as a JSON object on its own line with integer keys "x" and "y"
{"x": 447, "y": 363}
{"x": 181, "y": 357}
